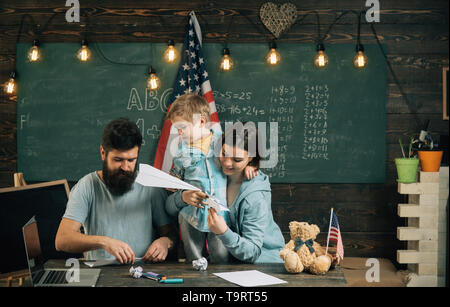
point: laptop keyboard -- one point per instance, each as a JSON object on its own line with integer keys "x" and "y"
{"x": 37, "y": 276}
{"x": 56, "y": 277}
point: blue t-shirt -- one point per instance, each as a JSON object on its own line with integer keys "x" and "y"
{"x": 130, "y": 218}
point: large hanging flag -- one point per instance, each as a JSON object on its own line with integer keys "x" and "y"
{"x": 192, "y": 78}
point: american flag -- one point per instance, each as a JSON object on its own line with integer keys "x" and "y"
{"x": 192, "y": 78}
{"x": 334, "y": 234}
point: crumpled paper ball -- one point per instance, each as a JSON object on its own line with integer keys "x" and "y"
{"x": 136, "y": 272}
{"x": 200, "y": 264}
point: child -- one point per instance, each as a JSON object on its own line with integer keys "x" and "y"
{"x": 196, "y": 163}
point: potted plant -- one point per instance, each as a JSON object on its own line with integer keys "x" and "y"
{"x": 430, "y": 155}
{"x": 408, "y": 165}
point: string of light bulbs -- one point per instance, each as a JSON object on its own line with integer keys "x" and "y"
{"x": 83, "y": 54}
{"x": 170, "y": 55}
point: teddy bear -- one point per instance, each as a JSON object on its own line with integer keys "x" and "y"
{"x": 302, "y": 253}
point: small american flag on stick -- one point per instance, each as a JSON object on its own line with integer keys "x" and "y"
{"x": 334, "y": 234}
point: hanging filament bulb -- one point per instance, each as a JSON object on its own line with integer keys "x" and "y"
{"x": 170, "y": 55}
{"x": 321, "y": 59}
{"x": 11, "y": 87}
{"x": 84, "y": 54}
{"x": 360, "y": 59}
{"x": 273, "y": 57}
{"x": 34, "y": 53}
{"x": 226, "y": 64}
{"x": 153, "y": 82}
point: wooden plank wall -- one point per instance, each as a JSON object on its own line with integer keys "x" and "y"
{"x": 415, "y": 33}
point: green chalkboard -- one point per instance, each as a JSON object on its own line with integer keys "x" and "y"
{"x": 331, "y": 122}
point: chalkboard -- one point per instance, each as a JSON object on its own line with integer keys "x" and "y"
{"x": 331, "y": 122}
{"x": 47, "y": 201}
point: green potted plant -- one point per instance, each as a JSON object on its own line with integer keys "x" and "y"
{"x": 408, "y": 165}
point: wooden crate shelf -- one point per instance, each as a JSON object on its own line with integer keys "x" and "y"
{"x": 421, "y": 232}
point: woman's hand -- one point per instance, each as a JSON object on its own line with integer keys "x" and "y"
{"x": 194, "y": 198}
{"x": 216, "y": 223}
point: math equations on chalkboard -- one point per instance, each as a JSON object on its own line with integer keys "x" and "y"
{"x": 317, "y": 125}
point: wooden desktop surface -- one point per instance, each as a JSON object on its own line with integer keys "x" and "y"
{"x": 119, "y": 276}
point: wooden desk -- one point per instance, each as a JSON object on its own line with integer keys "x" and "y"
{"x": 119, "y": 276}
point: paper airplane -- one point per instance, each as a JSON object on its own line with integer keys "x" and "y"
{"x": 153, "y": 177}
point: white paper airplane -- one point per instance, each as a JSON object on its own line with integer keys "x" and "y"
{"x": 153, "y": 177}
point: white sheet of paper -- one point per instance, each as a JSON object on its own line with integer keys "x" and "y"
{"x": 153, "y": 177}
{"x": 104, "y": 262}
{"x": 250, "y": 278}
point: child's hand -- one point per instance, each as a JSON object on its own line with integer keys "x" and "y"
{"x": 250, "y": 172}
{"x": 216, "y": 223}
{"x": 194, "y": 198}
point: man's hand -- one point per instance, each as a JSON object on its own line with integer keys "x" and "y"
{"x": 121, "y": 250}
{"x": 194, "y": 198}
{"x": 158, "y": 250}
{"x": 216, "y": 223}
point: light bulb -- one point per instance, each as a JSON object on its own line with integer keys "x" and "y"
{"x": 170, "y": 55}
{"x": 273, "y": 57}
{"x": 321, "y": 59}
{"x": 153, "y": 82}
{"x": 34, "y": 54}
{"x": 10, "y": 87}
{"x": 84, "y": 54}
{"x": 360, "y": 59}
{"x": 226, "y": 64}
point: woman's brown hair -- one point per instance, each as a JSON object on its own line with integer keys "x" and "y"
{"x": 244, "y": 136}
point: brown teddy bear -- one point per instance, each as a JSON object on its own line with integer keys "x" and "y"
{"x": 303, "y": 253}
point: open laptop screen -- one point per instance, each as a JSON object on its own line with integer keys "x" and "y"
{"x": 33, "y": 249}
{"x": 47, "y": 202}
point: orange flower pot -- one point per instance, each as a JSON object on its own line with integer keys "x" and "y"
{"x": 430, "y": 160}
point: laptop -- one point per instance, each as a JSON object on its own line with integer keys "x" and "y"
{"x": 41, "y": 277}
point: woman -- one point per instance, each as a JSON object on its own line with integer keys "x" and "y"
{"x": 253, "y": 236}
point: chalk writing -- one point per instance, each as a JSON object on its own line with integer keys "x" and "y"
{"x": 282, "y": 108}
{"x": 239, "y": 95}
{"x": 152, "y": 101}
{"x": 315, "y": 122}
{"x": 152, "y": 132}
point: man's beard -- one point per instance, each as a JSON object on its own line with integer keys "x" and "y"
{"x": 118, "y": 181}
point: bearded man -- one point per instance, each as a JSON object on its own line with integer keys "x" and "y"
{"x": 119, "y": 216}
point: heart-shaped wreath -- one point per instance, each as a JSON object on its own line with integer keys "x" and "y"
{"x": 278, "y": 19}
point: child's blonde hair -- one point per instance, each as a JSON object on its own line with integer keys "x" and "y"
{"x": 187, "y": 105}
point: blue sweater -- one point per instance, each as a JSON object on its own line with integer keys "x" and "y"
{"x": 252, "y": 235}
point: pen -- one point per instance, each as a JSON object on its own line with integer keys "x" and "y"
{"x": 172, "y": 281}
{"x": 153, "y": 276}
